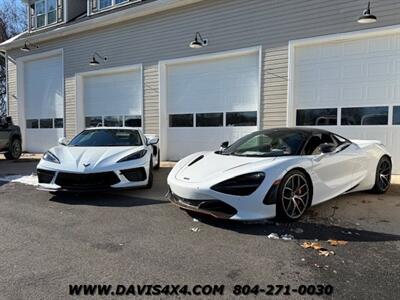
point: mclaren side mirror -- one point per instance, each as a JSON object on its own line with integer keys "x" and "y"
{"x": 153, "y": 141}
{"x": 224, "y": 145}
{"x": 63, "y": 141}
{"x": 327, "y": 148}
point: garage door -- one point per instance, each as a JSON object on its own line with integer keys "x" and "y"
{"x": 44, "y": 103}
{"x": 113, "y": 99}
{"x": 209, "y": 101}
{"x": 351, "y": 87}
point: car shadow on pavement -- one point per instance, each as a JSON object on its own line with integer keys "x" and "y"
{"x": 104, "y": 199}
{"x": 300, "y": 230}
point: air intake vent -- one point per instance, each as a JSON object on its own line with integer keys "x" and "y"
{"x": 196, "y": 160}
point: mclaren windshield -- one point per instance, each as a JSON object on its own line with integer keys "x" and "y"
{"x": 268, "y": 143}
{"x": 107, "y": 138}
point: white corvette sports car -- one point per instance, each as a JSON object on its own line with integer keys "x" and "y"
{"x": 99, "y": 159}
{"x": 278, "y": 172}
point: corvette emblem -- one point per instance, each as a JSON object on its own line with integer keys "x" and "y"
{"x": 86, "y": 164}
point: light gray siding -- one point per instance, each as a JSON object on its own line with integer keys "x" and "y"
{"x": 228, "y": 24}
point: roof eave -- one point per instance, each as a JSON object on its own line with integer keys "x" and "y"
{"x": 109, "y": 19}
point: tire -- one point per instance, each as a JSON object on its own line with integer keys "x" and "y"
{"x": 157, "y": 167}
{"x": 14, "y": 151}
{"x": 382, "y": 176}
{"x": 294, "y": 196}
{"x": 149, "y": 184}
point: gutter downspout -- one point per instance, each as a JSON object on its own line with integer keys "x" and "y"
{"x": 4, "y": 54}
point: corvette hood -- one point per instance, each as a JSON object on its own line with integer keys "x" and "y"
{"x": 205, "y": 165}
{"x": 87, "y": 159}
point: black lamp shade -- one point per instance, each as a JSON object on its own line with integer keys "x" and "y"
{"x": 94, "y": 62}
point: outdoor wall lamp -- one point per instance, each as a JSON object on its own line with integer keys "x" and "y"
{"x": 28, "y": 47}
{"x": 198, "y": 42}
{"x": 94, "y": 62}
{"x": 367, "y": 17}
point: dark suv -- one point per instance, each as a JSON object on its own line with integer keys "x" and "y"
{"x": 10, "y": 139}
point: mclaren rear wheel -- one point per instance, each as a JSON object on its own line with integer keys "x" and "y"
{"x": 383, "y": 176}
{"x": 294, "y": 196}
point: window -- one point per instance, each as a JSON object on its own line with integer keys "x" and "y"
{"x": 32, "y": 123}
{"x": 58, "y": 123}
{"x": 267, "y": 143}
{"x": 45, "y": 12}
{"x": 107, "y": 138}
{"x": 133, "y": 121}
{"x": 210, "y": 120}
{"x": 46, "y": 123}
{"x": 108, "y": 3}
{"x": 316, "y": 117}
{"x": 93, "y": 121}
{"x": 396, "y": 115}
{"x": 182, "y": 120}
{"x": 313, "y": 145}
{"x": 365, "y": 115}
{"x": 113, "y": 121}
{"x": 248, "y": 118}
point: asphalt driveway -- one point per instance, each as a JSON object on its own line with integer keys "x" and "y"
{"x": 136, "y": 237}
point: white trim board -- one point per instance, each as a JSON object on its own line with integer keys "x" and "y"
{"x": 79, "y": 77}
{"x": 162, "y": 77}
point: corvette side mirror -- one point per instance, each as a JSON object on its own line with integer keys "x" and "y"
{"x": 63, "y": 141}
{"x": 327, "y": 148}
{"x": 153, "y": 141}
{"x": 224, "y": 145}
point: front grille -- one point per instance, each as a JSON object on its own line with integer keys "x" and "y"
{"x": 87, "y": 181}
{"x": 216, "y": 208}
{"x": 137, "y": 174}
{"x": 45, "y": 176}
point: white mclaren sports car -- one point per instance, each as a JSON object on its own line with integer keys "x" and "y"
{"x": 278, "y": 173}
{"x": 100, "y": 159}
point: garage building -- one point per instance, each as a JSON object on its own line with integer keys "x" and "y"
{"x": 256, "y": 64}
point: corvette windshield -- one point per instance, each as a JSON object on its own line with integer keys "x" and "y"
{"x": 267, "y": 144}
{"x": 107, "y": 138}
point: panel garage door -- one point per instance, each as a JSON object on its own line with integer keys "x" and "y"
{"x": 44, "y": 103}
{"x": 210, "y": 101}
{"x": 113, "y": 99}
{"x": 351, "y": 87}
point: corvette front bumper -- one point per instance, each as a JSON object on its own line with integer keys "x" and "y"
{"x": 58, "y": 181}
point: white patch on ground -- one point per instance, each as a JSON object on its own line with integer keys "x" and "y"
{"x": 24, "y": 179}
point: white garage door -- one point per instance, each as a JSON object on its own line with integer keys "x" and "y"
{"x": 44, "y": 103}
{"x": 208, "y": 102}
{"x": 352, "y": 87}
{"x": 113, "y": 99}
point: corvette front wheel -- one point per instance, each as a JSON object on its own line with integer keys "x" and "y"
{"x": 294, "y": 196}
{"x": 149, "y": 184}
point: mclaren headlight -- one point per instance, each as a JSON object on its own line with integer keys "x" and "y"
{"x": 134, "y": 156}
{"x": 242, "y": 185}
{"x": 48, "y": 156}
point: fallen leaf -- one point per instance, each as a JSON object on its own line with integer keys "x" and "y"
{"x": 325, "y": 252}
{"x": 337, "y": 242}
{"x": 313, "y": 245}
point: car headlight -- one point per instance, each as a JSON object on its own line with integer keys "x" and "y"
{"x": 48, "y": 156}
{"x": 242, "y": 185}
{"x": 134, "y": 156}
